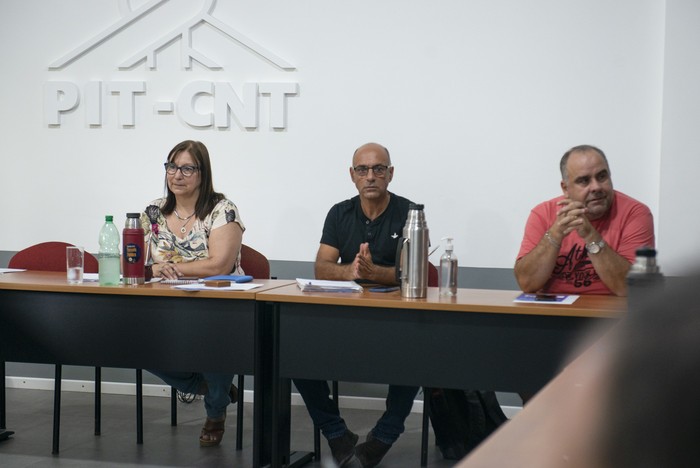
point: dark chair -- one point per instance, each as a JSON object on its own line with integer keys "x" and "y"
{"x": 256, "y": 265}
{"x": 433, "y": 281}
{"x": 51, "y": 256}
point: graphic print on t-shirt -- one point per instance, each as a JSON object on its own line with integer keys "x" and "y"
{"x": 575, "y": 268}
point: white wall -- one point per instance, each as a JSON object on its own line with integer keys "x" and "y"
{"x": 476, "y": 100}
{"x": 679, "y": 226}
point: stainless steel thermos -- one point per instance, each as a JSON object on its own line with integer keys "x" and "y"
{"x": 412, "y": 255}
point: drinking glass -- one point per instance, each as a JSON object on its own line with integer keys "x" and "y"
{"x": 74, "y": 264}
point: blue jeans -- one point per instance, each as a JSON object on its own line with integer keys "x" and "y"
{"x": 326, "y": 416}
{"x": 215, "y": 401}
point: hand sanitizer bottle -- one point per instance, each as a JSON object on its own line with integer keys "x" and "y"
{"x": 448, "y": 270}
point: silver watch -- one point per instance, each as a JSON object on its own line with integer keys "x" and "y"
{"x": 595, "y": 247}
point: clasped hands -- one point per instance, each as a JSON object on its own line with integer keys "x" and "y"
{"x": 363, "y": 266}
{"x": 571, "y": 217}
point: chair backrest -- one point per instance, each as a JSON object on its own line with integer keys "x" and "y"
{"x": 254, "y": 263}
{"x": 49, "y": 256}
{"x": 433, "y": 280}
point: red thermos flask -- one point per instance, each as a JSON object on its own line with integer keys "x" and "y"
{"x": 134, "y": 253}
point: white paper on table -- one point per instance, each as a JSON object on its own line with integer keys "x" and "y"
{"x": 314, "y": 285}
{"x": 95, "y": 277}
{"x": 233, "y": 287}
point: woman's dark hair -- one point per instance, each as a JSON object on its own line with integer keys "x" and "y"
{"x": 208, "y": 198}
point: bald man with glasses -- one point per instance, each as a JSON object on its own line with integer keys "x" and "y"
{"x": 359, "y": 242}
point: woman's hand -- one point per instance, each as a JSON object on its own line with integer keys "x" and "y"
{"x": 167, "y": 271}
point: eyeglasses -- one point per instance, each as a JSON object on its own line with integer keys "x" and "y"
{"x": 378, "y": 170}
{"x": 187, "y": 171}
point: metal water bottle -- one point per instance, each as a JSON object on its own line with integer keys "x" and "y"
{"x": 412, "y": 255}
{"x": 133, "y": 255}
{"x": 644, "y": 279}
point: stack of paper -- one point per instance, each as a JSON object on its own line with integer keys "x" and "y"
{"x": 313, "y": 285}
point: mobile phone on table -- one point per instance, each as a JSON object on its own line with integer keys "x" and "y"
{"x": 384, "y": 289}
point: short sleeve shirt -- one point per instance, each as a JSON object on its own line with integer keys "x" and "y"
{"x": 165, "y": 246}
{"x": 347, "y": 227}
{"x": 627, "y": 226}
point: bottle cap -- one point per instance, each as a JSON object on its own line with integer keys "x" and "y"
{"x": 646, "y": 251}
{"x": 448, "y": 244}
{"x": 133, "y": 215}
{"x": 109, "y": 218}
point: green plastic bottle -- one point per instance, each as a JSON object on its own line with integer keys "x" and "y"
{"x": 108, "y": 256}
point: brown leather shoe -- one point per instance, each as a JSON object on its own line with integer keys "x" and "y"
{"x": 212, "y": 432}
{"x": 343, "y": 448}
{"x": 371, "y": 452}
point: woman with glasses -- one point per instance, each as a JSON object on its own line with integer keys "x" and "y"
{"x": 196, "y": 232}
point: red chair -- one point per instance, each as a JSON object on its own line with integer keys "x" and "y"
{"x": 51, "y": 256}
{"x": 254, "y": 263}
{"x": 48, "y": 256}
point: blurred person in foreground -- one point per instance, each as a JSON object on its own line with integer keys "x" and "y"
{"x": 650, "y": 412}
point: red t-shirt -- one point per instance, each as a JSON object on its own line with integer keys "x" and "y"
{"x": 627, "y": 226}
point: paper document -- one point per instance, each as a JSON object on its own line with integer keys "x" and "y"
{"x": 546, "y": 298}
{"x": 11, "y": 270}
{"x": 233, "y": 287}
{"x": 95, "y": 277}
{"x": 313, "y": 285}
{"x": 181, "y": 281}
{"x": 192, "y": 280}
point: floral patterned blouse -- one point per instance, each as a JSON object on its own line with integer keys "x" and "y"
{"x": 166, "y": 247}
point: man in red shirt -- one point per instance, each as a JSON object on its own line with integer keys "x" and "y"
{"x": 584, "y": 241}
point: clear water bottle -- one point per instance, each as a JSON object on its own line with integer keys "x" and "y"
{"x": 448, "y": 270}
{"x": 108, "y": 255}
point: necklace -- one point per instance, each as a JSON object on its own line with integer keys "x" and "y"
{"x": 183, "y": 229}
{"x": 181, "y": 218}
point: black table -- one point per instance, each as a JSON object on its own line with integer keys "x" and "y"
{"x": 45, "y": 320}
{"x": 479, "y": 340}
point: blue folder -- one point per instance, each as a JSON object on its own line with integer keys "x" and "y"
{"x": 233, "y": 278}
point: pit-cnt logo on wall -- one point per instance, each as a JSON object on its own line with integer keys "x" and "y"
{"x": 63, "y": 97}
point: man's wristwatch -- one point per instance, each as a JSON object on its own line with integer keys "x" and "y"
{"x": 595, "y": 247}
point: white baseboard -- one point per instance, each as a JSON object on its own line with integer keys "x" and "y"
{"x": 119, "y": 388}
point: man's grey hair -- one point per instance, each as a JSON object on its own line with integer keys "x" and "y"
{"x": 577, "y": 149}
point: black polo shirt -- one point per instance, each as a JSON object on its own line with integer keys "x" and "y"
{"x": 347, "y": 227}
